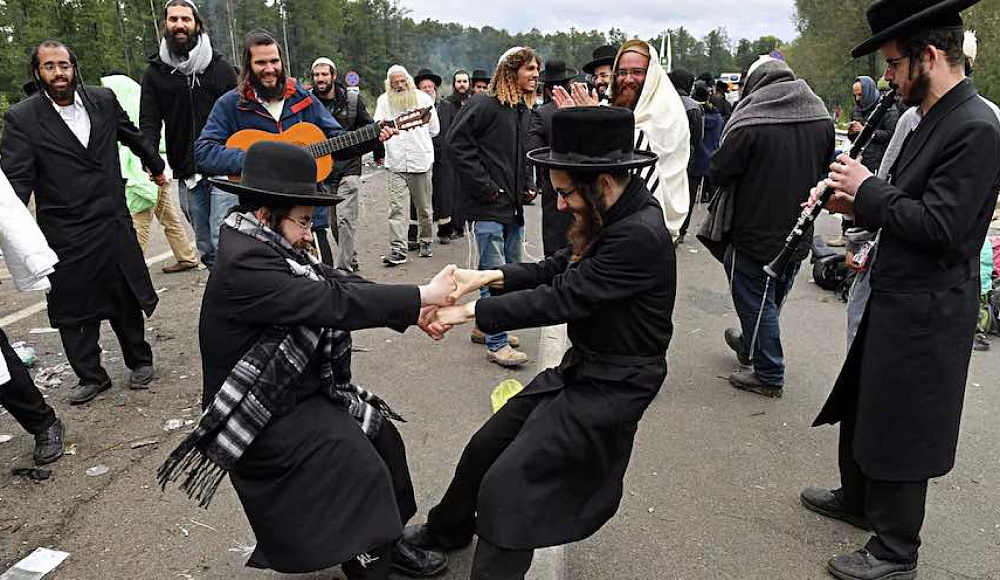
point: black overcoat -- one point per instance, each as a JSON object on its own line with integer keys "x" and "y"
{"x": 443, "y": 175}
{"x": 313, "y": 487}
{"x": 80, "y": 203}
{"x": 561, "y": 477}
{"x": 904, "y": 376}
{"x": 555, "y": 224}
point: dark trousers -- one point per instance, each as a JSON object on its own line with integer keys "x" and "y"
{"x": 694, "y": 187}
{"x": 454, "y": 519}
{"x": 325, "y": 251}
{"x": 20, "y": 396}
{"x": 758, "y": 300}
{"x": 895, "y": 509}
{"x": 83, "y": 351}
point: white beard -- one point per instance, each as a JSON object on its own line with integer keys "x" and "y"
{"x": 402, "y": 102}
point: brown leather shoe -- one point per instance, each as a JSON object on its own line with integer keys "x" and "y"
{"x": 180, "y": 267}
{"x": 506, "y": 356}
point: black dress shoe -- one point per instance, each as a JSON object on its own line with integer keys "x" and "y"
{"x": 420, "y": 535}
{"x": 49, "y": 444}
{"x": 141, "y": 377}
{"x": 734, "y": 339}
{"x": 862, "y": 565}
{"x": 415, "y": 561}
{"x": 85, "y": 392}
{"x": 830, "y": 503}
{"x": 748, "y": 381}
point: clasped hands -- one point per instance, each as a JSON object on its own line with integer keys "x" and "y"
{"x": 440, "y": 310}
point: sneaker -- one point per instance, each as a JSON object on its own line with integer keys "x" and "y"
{"x": 479, "y": 337}
{"x": 394, "y": 259}
{"x": 180, "y": 267}
{"x": 425, "y": 250}
{"x": 734, "y": 339}
{"x": 748, "y": 381}
{"x": 980, "y": 343}
{"x": 506, "y": 356}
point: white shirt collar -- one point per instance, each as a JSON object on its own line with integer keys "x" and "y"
{"x": 77, "y": 101}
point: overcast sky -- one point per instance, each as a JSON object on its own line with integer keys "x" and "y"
{"x": 646, "y": 18}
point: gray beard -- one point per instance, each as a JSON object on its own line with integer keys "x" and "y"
{"x": 404, "y": 101}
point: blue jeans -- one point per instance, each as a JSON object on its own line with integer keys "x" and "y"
{"x": 498, "y": 244}
{"x": 205, "y": 208}
{"x": 758, "y": 300}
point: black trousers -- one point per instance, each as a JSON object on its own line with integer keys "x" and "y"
{"x": 895, "y": 509}
{"x": 20, "y": 396}
{"x": 83, "y": 351}
{"x": 453, "y": 520}
{"x": 694, "y": 186}
{"x": 325, "y": 251}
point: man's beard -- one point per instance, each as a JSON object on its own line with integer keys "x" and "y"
{"x": 324, "y": 89}
{"x": 269, "y": 93}
{"x": 919, "y": 88}
{"x": 586, "y": 224}
{"x": 61, "y": 94}
{"x": 461, "y": 96}
{"x": 180, "y": 48}
{"x": 626, "y": 94}
{"x": 601, "y": 88}
{"x": 402, "y": 101}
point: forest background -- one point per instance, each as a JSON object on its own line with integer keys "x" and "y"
{"x": 367, "y": 36}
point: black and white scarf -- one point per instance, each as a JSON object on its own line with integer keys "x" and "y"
{"x": 258, "y": 386}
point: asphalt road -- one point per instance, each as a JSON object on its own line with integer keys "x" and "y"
{"x": 712, "y": 490}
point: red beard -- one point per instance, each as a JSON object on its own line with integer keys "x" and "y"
{"x": 626, "y": 94}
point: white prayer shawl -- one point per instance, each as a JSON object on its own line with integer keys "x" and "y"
{"x": 29, "y": 258}
{"x": 661, "y": 126}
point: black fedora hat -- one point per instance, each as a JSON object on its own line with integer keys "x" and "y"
{"x": 426, "y": 73}
{"x": 480, "y": 75}
{"x": 277, "y": 174}
{"x": 556, "y": 72}
{"x": 592, "y": 139}
{"x": 890, "y": 19}
{"x": 602, "y": 55}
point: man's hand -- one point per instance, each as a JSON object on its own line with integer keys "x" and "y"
{"x": 855, "y": 127}
{"x": 471, "y": 280}
{"x": 584, "y": 98}
{"x": 846, "y": 177}
{"x": 452, "y": 315}
{"x": 529, "y": 195}
{"x": 428, "y": 323}
{"x": 384, "y": 135}
{"x": 562, "y": 98}
{"x": 439, "y": 290}
{"x": 159, "y": 179}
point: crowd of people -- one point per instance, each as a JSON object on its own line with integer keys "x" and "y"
{"x": 620, "y": 162}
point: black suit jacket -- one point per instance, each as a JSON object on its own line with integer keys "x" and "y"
{"x": 903, "y": 382}
{"x": 80, "y": 200}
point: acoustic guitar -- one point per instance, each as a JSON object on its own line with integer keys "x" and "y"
{"x": 313, "y": 139}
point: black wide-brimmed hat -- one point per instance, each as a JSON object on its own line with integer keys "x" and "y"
{"x": 480, "y": 75}
{"x": 602, "y": 55}
{"x": 556, "y": 72}
{"x": 891, "y": 19}
{"x": 592, "y": 139}
{"x": 277, "y": 174}
{"x": 426, "y": 73}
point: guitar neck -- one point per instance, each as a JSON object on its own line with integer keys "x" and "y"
{"x": 350, "y": 139}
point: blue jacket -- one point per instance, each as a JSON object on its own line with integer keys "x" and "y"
{"x": 238, "y": 110}
{"x": 700, "y": 163}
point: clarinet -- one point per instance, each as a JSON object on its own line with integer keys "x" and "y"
{"x": 809, "y": 214}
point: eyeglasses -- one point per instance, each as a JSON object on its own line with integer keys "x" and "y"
{"x": 603, "y": 76}
{"x": 891, "y": 63}
{"x": 52, "y": 66}
{"x": 636, "y": 72}
{"x": 306, "y": 226}
{"x": 564, "y": 193}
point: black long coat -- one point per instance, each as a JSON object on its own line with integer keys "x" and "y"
{"x": 560, "y": 479}
{"x": 904, "y": 377}
{"x": 313, "y": 487}
{"x": 555, "y": 224}
{"x": 443, "y": 174}
{"x": 80, "y": 201}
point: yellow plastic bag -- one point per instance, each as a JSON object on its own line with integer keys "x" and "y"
{"x": 503, "y": 392}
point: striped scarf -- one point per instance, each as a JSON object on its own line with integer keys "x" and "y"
{"x": 258, "y": 386}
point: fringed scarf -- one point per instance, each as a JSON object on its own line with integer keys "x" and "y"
{"x": 258, "y": 386}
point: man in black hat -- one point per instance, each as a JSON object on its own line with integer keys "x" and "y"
{"x": 548, "y": 467}
{"x": 480, "y": 81}
{"x": 555, "y": 223}
{"x": 600, "y": 68}
{"x": 461, "y": 92}
{"x": 899, "y": 395}
{"x": 683, "y": 81}
{"x": 442, "y": 174}
{"x": 282, "y": 417}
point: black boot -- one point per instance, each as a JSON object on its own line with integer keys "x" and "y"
{"x": 414, "y": 560}
{"x": 830, "y": 503}
{"x": 49, "y": 444}
{"x": 862, "y": 565}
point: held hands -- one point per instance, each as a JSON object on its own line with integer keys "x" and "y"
{"x": 471, "y": 280}
{"x": 159, "y": 179}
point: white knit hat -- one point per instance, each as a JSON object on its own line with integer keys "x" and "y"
{"x": 323, "y": 60}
